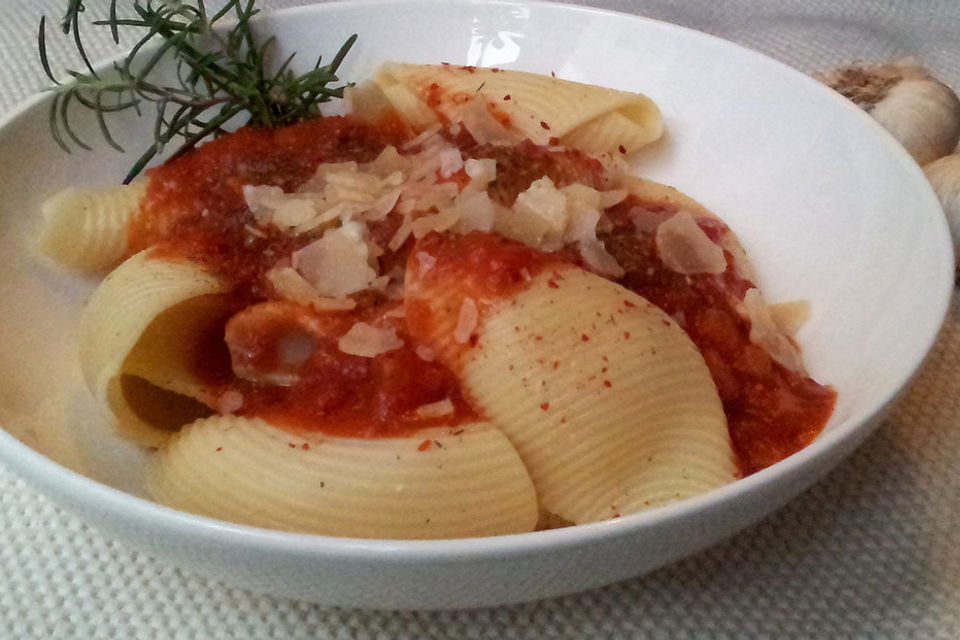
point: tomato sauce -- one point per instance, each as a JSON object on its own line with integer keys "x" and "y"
{"x": 771, "y": 411}
{"x": 195, "y": 209}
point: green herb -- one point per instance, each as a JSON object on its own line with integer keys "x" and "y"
{"x": 220, "y": 73}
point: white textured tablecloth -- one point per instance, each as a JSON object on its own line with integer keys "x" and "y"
{"x": 872, "y": 551}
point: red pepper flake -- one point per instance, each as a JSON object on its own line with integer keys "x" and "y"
{"x": 539, "y": 338}
{"x": 556, "y": 364}
{"x": 506, "y": 97}
{"x": 292, "y": 446}
{"x": 626, "y": 335}
{"x": 424, "y": 445}
{"x": 563, "y": 419}
{"x": 510, "y": 367}
{"x": 628, "y": 303}
{"x": 457, "y": 432}
{"x": 554, "y": 141}
{"x": 666, "y": 322}
{"x": 495, "y": 69}
{"x": 305, "y": 446}
{"x": 437, "y": 442}
{"x": 553, "y": 74}
{"x": 605, "y": 359}
{"x": 622, "y": 148}
{"x": 219, "y": 449}
{"x": 606, "y": 383}
{"x": 516, "y": 328}
{"x": 544, "y": 125}
{"x": 545, "y": 406}
{"x": 585, "y": 338}
{"x": 604, "y": 370}
{"x": 616, "y": 515}
{"x": 552, "y": 284}
{"x": 446, "y": 64}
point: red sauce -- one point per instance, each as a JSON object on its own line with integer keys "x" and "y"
{"x": 195, "y": 209}
{"x": 484, "y": 265}
{"x": 772, "y": 412}
{"x": 194, "y": 206}
{"x": 348, "y": 395}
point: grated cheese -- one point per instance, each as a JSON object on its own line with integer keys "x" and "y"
{"x": 765, "y": 333}
{"x": 436, "y": 409}
{"x": 367, "y": 341}
{"x": 338, "y": 263}
{"x": 685, "y": 248}
{"x": 466, "y": 321}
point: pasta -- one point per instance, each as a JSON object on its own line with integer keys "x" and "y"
{"x": 86, "y": 229}
{"x": 468, "y": 483}
{"x": 451, "y": 313}
{"x": 625, "y": 419}
{"x": 538, "y": 107}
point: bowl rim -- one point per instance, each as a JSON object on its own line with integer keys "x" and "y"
{"x": 73, "y": 487}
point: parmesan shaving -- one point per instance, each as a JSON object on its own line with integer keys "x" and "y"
{"x": 438, "y": 222}
{"x": 436, "y": 409}
{"x": 686, "y": 249}
{"x": 538, "y": 217}
{"x": 367, "y": 341}
{"x": 406, "y": 228}
{"x": 426, "y": 135}
{"x": 291, "y": 286}
{"x": 426, "y": 262}
{"x": 451, "y": 161}
{"x": 790, "y": 316}
{"x": 466, "y": 321}
{"x": 482, "y": 171}
{"x": 426, "y": 353}
{"x": 271, "y": 205}
{"x": 582, "y": 211}
{"x": 483, "y": 126}
{"x": 337, "y": 263}
{"x": 229, "y": 402}
{"x": 595, "y": 254}
{"x": 476, "y": 211}
{"x": 765, "y": 333}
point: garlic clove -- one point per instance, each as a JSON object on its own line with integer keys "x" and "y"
{"x": 944, "y": 177}
{"x": 921, "y": 112}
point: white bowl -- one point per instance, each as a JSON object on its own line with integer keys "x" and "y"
{"x": 829, "y": 207}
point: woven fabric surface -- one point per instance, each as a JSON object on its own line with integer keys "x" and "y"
{"x": 871, "y": 551}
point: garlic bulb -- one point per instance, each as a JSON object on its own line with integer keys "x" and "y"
{"x": 921, "y": 112}
{"x": 944, "y": 177}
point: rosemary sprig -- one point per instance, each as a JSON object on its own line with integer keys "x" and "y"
{"x": 220, "y": 73}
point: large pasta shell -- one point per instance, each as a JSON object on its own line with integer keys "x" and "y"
{"x": 606, "y": 399}
{"x": 440, "y": 483}
{"x": 142, "y": 325}
{"x": 588, "y": 117}
{"x": 86, "y": 229}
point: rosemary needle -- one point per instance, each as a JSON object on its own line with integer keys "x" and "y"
{"x": 221, "y": 73}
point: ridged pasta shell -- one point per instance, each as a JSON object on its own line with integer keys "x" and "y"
{"x": 120, "y": 313}
{"x": 440, "y": 483}
{"x": 606, "y": 399}
{"x": 596, "y": 119}
{"x": 86, "y": 229}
